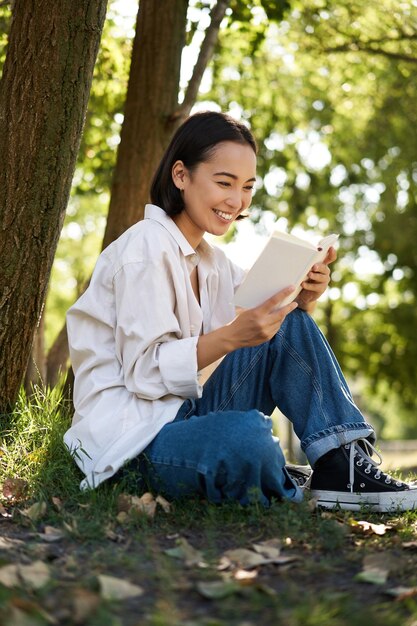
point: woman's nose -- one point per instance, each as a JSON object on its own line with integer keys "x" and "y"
{"x": 235, "y": 200}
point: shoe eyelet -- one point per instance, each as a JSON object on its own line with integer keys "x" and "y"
{"x": 362, "y": 485}
{"x": 367, "y": 471}
{"x": 359, "y": 463}
{"x": 388, "y": 480}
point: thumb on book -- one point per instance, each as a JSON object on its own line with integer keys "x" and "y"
{"x": 279, "y": 297}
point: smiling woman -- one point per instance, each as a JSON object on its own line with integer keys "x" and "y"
{"x": 159, "y": 311}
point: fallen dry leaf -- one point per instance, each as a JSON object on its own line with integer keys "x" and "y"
{"x": 7, "y": 543}
{"x": 57, "y": 502}
{"x": 218, "y": 589}
{"x": 402, "y": 593}
{"x": 51, "y": 534}
{"x": 35, "y": 512}
{"x": 145, "y": 504}
{"x": 109, "y": 533}
{"x": 3, "y": 511}
{"x": 33, "y": 576}
{"x": 15, "y": 488}
{"x": 9, "y": 576}
{"x": 124, "y": 502}
{"x": 122, "y": 517}
{"x": 164, "y": 504}
{"x": 247, "y": 559}
{"x": 19, "y": 617}
{"x": 270, "y": 549}
{"x": 375, "y": 570}
{"x": 187, "y": 553}
{"x": 118, "y": 589}
{"x": 368, "y": 527}
{"x": 85, "y": 603}
{"x": 245, "y": 576}
{"x": 25, "y": 611}
{"x": 71, "y": 526}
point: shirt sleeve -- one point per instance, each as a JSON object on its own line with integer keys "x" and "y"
{"x": 158, "y": 356}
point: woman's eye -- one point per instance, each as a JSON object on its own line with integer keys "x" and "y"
{"x": 224, "y": 183}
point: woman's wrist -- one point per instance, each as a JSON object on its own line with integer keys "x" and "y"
{"x": 215, "y": 345}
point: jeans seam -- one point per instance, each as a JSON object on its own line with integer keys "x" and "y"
{"x": 254, "y": 360}
{"x": 308, "y": 371}
{"x": 168, "y": 462}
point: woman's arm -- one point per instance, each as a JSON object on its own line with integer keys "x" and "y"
{"x": 250, "y": 328}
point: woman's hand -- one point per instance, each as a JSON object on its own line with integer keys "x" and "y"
{"x": 254, "y": 326}
{"x": 250, "y": 327}
{"x": 316, "y": 283}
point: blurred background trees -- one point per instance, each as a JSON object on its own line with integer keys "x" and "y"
{"x": 329, "y": 88}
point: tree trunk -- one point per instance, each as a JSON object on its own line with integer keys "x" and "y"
{"x": 57, "y": 361}
{"x": 151, "y": 100}
{"x": 43, "y": 99}
{"x": 36, "y": 369}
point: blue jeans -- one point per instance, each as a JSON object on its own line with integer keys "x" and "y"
{"x": 221, "y": 445}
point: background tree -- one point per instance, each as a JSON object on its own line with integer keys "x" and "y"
{"x": 46, "y": 80}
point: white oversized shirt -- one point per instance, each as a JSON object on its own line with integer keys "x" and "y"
{"x": 133, "y": 339}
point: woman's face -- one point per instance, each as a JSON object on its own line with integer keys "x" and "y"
{"x": 216, "y": 191}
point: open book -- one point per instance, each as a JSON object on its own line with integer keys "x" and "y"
{"x": 285, "y": 260}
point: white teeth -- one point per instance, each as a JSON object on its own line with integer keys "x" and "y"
{"x": 225, "y": 216}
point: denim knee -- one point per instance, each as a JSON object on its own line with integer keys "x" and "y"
{"x": 244, "y": 462}
{"x": 242, "y": 437}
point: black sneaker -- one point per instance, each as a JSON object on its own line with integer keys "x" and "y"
{"x": 347, "y": 477}
{"x": 301, "y": 474}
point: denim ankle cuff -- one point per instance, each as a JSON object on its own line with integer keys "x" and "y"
{"x": 328, "y": 439}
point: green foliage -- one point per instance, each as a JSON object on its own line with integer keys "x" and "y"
{"x": 31, "y": 445}
{"x": 5, "y": 17}
{"x": 330, "y": 94}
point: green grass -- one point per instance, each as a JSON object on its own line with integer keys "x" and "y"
{"x": 319, "y": 589}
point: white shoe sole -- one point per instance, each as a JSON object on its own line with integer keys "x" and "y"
{"x": 384, "y": 502}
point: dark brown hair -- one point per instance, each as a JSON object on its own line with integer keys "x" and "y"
{"x": 193, "y": 143}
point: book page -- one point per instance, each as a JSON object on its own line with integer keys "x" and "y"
{"x": 282, "y": 262}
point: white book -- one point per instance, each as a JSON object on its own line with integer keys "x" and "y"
{"x": 284, "y": 261}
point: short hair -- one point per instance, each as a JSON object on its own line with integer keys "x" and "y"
{"x": 193, "y": 143}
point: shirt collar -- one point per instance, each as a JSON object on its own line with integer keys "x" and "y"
{"x": 157, "y": 214}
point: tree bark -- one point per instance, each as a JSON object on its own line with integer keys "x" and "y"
{"x": 152, "y": 97}
{"x": 36, "y": 369}
{"x": 43, "y": 99}
{"x": 57, "y": 360}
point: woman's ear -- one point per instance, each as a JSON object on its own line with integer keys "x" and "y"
{"x": 179, "y": 174}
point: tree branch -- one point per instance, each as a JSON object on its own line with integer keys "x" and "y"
{"x": 363, "y": 47}
{"x": 205, "y": 54}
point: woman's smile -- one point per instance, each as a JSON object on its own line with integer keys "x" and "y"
{"x": 224, "y": 216}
